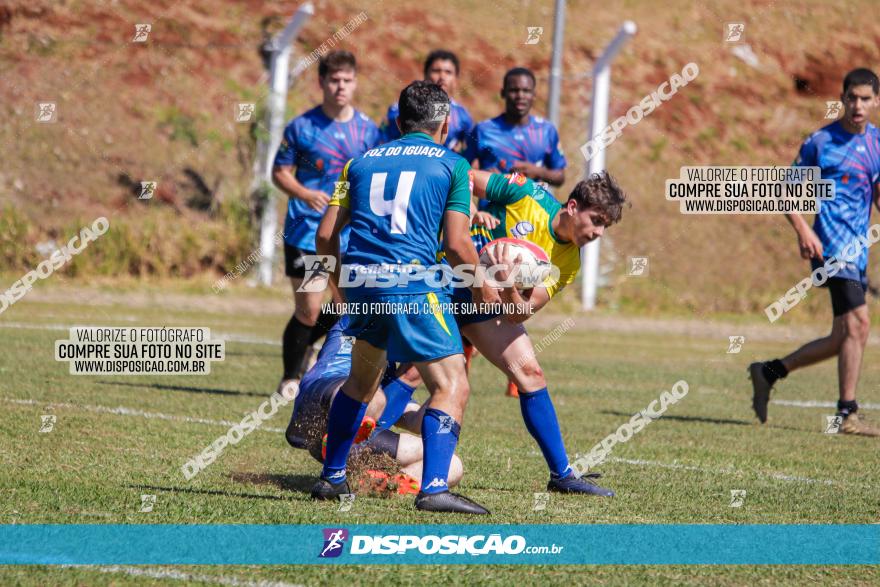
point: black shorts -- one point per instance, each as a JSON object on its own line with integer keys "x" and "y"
{"x": 846, "y": 295}
{"x": 294, "y": 264}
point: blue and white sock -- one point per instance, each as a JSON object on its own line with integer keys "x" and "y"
{"x": 439, "y": 437}
{"x": 397, "y": 396}
{"x": 344, "y": 420}
{"x": 540, "y": 418}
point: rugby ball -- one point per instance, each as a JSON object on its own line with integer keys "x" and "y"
{"x": 534, "y": 261}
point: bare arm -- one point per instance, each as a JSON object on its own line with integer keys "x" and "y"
{"x": 286, "y": 181}
{"x": 481, "y": 182}
{"x": 327, "y": 238}
{"x": 809, "y": 244}
{"x": 554, "y": 177}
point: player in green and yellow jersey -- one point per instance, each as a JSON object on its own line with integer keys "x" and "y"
{"x": 518, "y": 207}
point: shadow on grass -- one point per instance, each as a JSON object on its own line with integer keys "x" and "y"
{"x": 206, "y": 492}
{"x": 298, "y": 483}
{"x": 188, "y": 389}
{"x": 685, "y": 418}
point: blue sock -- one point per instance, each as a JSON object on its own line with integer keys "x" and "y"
{"x": 439, "y": 436}
{"x": 397, "y": 395}
{"x": 343, "y": 423}
{"x": 540, "y": 418}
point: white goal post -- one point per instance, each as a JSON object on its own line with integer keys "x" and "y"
{"x": 596, "y": 164}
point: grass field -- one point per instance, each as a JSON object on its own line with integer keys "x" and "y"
{"x": 98, "y": 460}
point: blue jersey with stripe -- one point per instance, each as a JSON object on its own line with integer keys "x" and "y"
{"x": 498, "y": 145}
{"x": 397, "y": 195}
{"x": 853, "y": 162}
{"x": 318, "y": 147}
{"x": 461, "y": 125}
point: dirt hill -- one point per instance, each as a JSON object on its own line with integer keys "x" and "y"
{"x": 163, "y": 110}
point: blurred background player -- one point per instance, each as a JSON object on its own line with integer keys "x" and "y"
{"x": 522, "y": 209}
{"x": 516, "y": 141}
{"x": 397, "y": 199}
{"x": 848, "y": 151}
{"x": 442, "y": 68}
{"x": 317, "y": 143}
{"x": 320, "y": 385}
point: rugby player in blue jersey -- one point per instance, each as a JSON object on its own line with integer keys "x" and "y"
{"x": 316, "y": 143}
{"x": 442, "y": 68}
{"x": 517, "y": 141}
{"x": 397, "y": 199}
{"x": 847, "y": 151}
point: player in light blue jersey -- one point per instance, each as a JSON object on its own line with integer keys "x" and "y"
{"x": 847, "y": 151}
{"x": 398, "y": 199}
{"x": 442, "y": 68}
{"x": 316, "y": 143}
{"x": 517, "y": 141}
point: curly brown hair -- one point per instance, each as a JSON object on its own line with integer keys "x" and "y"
{"x": 601, "y": 192}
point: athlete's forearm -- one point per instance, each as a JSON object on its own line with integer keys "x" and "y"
{"x": 797, "y": 222}
{"x": 286, "y": 181}
{"x": 327, "y": 237}
{"x": 555, "y": 177}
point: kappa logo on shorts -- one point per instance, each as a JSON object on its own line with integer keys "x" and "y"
{"x": 334, "y": 540}
{"x": 318, "y": 270}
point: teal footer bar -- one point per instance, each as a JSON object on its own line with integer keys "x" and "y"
{"x": 440, "y": 544}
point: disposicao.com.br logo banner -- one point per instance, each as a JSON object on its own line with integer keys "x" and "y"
{"x": 588, "y": 544}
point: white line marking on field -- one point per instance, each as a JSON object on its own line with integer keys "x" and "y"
{"x": 123, "y": 411}
{"x": 679, "y": 466}
{"x": 214, "y": 334}
{"x": 160, "y": 573}
{"x": 816, "y": 404}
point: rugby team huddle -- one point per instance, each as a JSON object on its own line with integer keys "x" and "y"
{"x": 428, "y": 186}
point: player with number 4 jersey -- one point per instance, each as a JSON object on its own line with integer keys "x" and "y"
{"x": 397, "y": 199}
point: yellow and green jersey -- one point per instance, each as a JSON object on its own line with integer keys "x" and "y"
{"x": 526, "y": 212}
